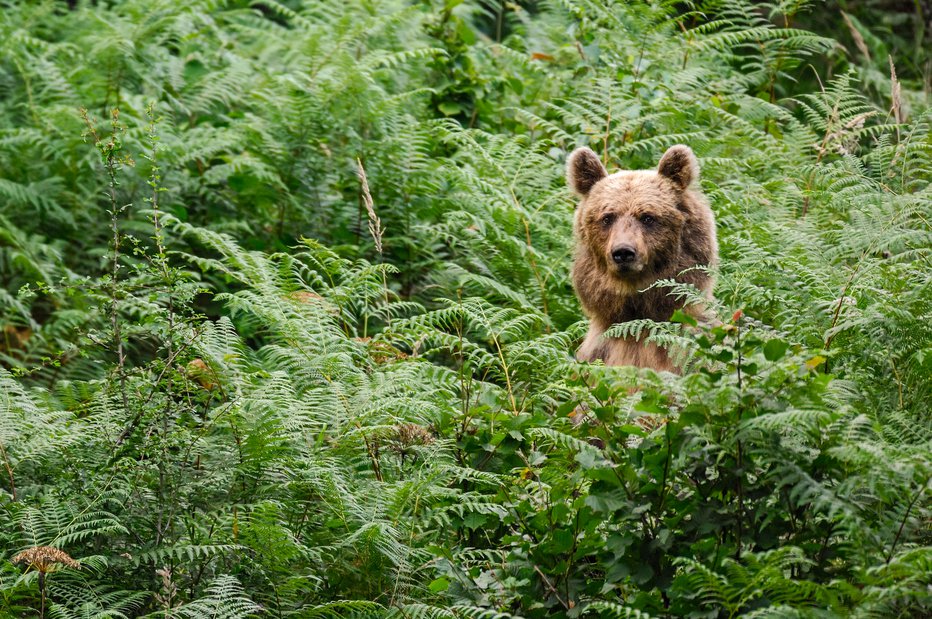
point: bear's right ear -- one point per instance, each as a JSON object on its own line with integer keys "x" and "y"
{"x": 584, "y": 170}
{"x": 679, "y": 164}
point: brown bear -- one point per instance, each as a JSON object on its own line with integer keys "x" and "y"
{"x": 633, "y": 228}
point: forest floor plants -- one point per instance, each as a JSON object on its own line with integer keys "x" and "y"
{"x": 306, "y": 350}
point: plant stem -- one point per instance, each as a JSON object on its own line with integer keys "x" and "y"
{"x": 42, "y": 594}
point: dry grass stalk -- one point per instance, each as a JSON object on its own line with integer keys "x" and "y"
{"x": 895, "y": 97}
{"x": 856, "y": 35}
{"x": 375, "y": 224}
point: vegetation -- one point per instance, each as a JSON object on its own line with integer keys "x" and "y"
{"x": 287, "y": 327}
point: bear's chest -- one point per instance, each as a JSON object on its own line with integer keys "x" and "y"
{"x": 654, "y": 304}
{"x": 623, "y": 351}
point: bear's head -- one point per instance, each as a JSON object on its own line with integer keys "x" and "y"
{"x": 630, "y": 225}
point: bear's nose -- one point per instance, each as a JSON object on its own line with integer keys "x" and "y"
{"x": 624, "y": 254}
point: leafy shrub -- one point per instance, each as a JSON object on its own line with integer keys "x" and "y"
{"x": 237, "y": 380}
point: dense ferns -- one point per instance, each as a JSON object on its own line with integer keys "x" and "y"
{"x": 225, "y": 398}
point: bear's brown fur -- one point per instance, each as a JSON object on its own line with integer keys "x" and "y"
{"x": 633, "y": 228}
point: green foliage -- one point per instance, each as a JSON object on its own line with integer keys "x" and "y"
{"x": 237, "y": 381}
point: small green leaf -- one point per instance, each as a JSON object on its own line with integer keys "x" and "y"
{"x": 473, "y": 520}
{"x": 775, "y": 349}
{"x": 450, "y": 109}
{"x": 683, "y": 318}
{"x": 590, "y": 459}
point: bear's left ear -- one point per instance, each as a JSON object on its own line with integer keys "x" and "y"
{"x": 680, "y": 165}
{"x": 584, "y": 170}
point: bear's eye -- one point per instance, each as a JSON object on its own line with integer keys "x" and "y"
{"x": 647, "y": 220}
{"x": 607, "y": 219}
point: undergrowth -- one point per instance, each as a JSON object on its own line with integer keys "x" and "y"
{"x": 287, "y": 326}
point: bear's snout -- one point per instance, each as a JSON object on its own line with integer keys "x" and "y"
{"x": 624, "y": 251}
{"x": 624, "y": 255}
